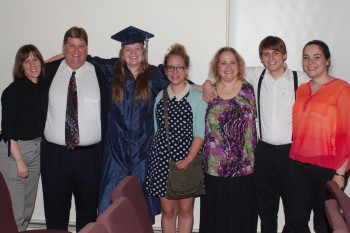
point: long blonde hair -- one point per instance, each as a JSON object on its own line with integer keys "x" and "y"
{"x": 141, "y": 85}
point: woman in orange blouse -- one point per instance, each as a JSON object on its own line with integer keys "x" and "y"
{"x": 321, "y": 139}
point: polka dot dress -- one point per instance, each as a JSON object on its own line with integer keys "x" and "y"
{"x": 180, "y": 121}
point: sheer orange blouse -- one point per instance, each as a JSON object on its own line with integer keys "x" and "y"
{"x": 321, "y": 125}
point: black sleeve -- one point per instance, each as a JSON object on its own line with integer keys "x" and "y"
{"x": 11, "y": 102}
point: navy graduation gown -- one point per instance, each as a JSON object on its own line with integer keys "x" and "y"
{"x": 130, "y": 130}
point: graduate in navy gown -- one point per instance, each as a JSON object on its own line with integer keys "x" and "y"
{"x": 133, "y": 89}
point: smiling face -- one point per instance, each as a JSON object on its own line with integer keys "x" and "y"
{"x": 228, "y": 66}
{"x": 75, "y": 52}
{"x": 273, "y": 60}
{"x": 32, "y": 67}
{"x": 176, "y": 70}
{"x": 133, "y": 55}
{"x": 315, "y": 63}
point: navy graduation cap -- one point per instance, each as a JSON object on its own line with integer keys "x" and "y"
{"x": 132, "y": 35}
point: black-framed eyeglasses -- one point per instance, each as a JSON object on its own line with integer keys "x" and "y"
{"x": 177, "y": 68}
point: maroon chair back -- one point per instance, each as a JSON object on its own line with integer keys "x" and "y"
{"x": 7, "y": 220}
{"x": 335, "y": 217}
{"x": 121, "y": 217}
{"x": 46, "y": 231}
{"x": 342, "y": 198}
{"x": 129, "y": 187}
{"x": 94, "y": 227}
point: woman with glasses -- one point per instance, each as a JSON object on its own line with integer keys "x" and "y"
{"x": 185, "y": 114}
{"x": 228, "y": 150}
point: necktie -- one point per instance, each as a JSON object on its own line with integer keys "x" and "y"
{"x": 71, "y": 127}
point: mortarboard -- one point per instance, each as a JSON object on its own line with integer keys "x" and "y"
{"x": 132, "y": 35}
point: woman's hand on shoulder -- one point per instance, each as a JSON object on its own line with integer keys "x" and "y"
{"x": 54, "y": 58}
{"x": 209, "y": 92}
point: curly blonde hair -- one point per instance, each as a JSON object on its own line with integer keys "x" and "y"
{"x": 214, "y": 64}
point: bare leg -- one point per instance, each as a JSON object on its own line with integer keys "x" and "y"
{"x": 185, "y": 212}
{"x": 169, "y": 215}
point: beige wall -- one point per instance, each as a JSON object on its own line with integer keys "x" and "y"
{"x": 198, "y": 24}
{"x": 201, "y": 25}
{"x": 296, "y": 22}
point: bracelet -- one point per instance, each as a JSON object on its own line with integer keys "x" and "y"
{"x": 339, "y": 175}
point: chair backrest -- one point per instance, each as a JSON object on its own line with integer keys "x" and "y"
{"x": 121, "y": 217}
{"x": 335, "y": 217}
{"x": 129, "y": 187}
{"x": 7, "y": 220}
{"x": 342, "y": 199}
{"x": 94, "y": 227}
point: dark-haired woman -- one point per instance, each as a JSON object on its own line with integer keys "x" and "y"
{"x": 22, "y": 126}
{"x": 321, "y": 139}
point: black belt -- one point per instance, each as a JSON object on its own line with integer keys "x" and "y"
{"x": 80, "y": 147}
{"x": 271, "y": 146}
{"x": 66, "y": 147}
{"x": 76, "y": 148}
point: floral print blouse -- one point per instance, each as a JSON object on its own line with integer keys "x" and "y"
{"x": 230, "y": 135}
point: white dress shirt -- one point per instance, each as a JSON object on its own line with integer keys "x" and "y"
{"x": 89, "y": 107}
{"x": 276, "y": 103}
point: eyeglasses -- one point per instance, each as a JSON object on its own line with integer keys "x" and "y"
{"x": 177, "y": 68}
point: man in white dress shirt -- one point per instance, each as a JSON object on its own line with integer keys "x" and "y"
{"x": 67, "y": 170}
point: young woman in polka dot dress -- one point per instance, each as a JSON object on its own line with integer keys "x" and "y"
{"x": 186, "y": 123}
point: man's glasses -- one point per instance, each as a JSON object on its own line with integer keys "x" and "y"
{"x": 177, "y": 68}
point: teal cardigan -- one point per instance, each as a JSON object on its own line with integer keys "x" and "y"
{"x": 199, "y": 107}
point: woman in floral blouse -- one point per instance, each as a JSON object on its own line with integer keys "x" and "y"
{"x": 228, "y": 149}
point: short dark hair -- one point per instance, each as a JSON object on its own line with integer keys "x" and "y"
{"x": 274, "y": 43}
{"x": 22, "y": 54}
{"x": 75, "y": 32}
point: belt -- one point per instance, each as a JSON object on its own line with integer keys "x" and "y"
{"x": 271, "y": 146}
{"x": 76, "y": 148}
{"x": 80, "y": 147}
{"x": 66, "y": 148}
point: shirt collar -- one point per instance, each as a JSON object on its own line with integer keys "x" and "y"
{"x": 70, "y": 70}
{"x": 180, "y": 95}
{"x": 285, "y": 75}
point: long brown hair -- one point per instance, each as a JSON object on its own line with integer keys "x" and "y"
{"x": 141, "y": 84}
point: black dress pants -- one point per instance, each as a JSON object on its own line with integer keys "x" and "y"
{"x": 271, "y": 182}
{"x": 308, "y": 192}
{"x": 65, "y": 173}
